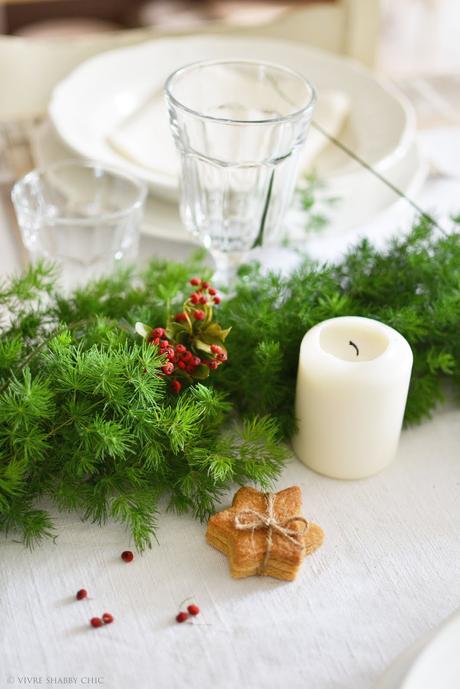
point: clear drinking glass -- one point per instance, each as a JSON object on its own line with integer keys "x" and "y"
{"x": 239, "y": 127}
{"x": 81, "y": 215}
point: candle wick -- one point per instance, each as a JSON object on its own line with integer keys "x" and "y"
{"x": 355, "y": 346}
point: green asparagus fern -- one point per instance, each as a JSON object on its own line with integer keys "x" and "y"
{"x": 88, "y": 421}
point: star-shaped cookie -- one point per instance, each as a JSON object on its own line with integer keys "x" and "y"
{"x": 254, "y": 547}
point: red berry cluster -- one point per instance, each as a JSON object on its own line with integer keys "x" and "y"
{"x": 106, "y": 617}
{"x": 192, "y": 610}
{"x": 182, "y": 361}
{"x": 204, "y": 295}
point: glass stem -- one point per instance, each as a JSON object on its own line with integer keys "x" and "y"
{"x": 227, "y": 265}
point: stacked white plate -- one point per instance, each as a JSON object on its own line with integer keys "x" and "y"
{"x": 98, "y": 98}
{"x": 432, "y": 663}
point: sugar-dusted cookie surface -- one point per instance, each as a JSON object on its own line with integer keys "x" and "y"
{"x": 264, "y": 533}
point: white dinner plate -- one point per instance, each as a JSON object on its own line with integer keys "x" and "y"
{"x": 90, "y": 104}
{"x": 433, "y": 662}
{"x": 438, "y": 665}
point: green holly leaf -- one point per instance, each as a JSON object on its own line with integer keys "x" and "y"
{"x": 201, "y": 372}
{"x": 214, "y": 330}
{"x": 202, "y": 346}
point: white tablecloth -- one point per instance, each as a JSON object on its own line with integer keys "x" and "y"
{"x": 388, "y": 572}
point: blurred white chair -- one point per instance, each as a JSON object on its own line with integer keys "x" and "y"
{"x": 30, "y": 68}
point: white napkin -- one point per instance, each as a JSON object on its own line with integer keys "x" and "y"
{"x": 145, "y": 138}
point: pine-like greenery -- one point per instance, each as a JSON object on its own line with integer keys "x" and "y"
{"x": 413, "y": 286}
{"x": 87, "y": 420}
{"x": 86, "y": 417}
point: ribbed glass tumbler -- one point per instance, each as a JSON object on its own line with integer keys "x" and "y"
{"x": 239, "y": 127}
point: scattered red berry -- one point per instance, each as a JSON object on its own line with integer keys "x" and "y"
{"x": 82, "y": 593}
{"x": 205, "y": 285}
{"x": 215, "y": 349}
{"x": 193, "y": 609}
{"x": 222, "y": 356}
{"x": 164, "y": 344}
{"x": 203, "y": 300}
{"x": 127, "y": 556}
{"x": 180, "y": 348}
{"x": 181, "y": 364}
{"x": 95, "y": 622}
{"x": 176, "y": 386}
{"x": 168, "y": 368}
{"x": 195, "y": 281}
{"x": 212, "y": 291}
{"x": 194, "y": 298}
{"x": 199, "y": 315}
{"x": 107, "y": 618}
{"x": 179, "y": 317}
{"x": 217, "y": 300}
{"x": 213, "y": 364}
{"x": 158, "y": 332}
{"x": 196, "y": 361}
{"x": 181, "y": 617}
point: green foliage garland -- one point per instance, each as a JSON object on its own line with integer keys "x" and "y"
{"x": 413, "y": 286}
{"x": 88, "y": 420}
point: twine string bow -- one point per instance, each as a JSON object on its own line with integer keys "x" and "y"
{"x": 250, "y": 520}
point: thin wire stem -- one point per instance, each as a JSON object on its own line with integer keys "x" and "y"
{"x": 343, "y": 147}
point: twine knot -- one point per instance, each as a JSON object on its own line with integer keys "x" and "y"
{"x": 250, "y": 520}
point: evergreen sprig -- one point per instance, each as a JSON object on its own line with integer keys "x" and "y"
{"x": 87, "y": 420}
{"x": 413, "y": 285}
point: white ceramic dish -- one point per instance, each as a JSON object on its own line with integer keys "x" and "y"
{"x": 377, "y": 215}
{"x": 433, "y": 662}
{"x": 438, "y": 665}
{"x": 89, "y": 104}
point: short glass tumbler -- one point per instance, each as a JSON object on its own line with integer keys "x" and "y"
{"x": 239, "y": 127}
{"x": 80, "y": 215}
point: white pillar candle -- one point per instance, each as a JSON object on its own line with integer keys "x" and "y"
{"x": 351, "y": 394}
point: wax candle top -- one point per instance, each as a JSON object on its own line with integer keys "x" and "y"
{"x": 353, "y": 339}
{"x": 353, "y": 345}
